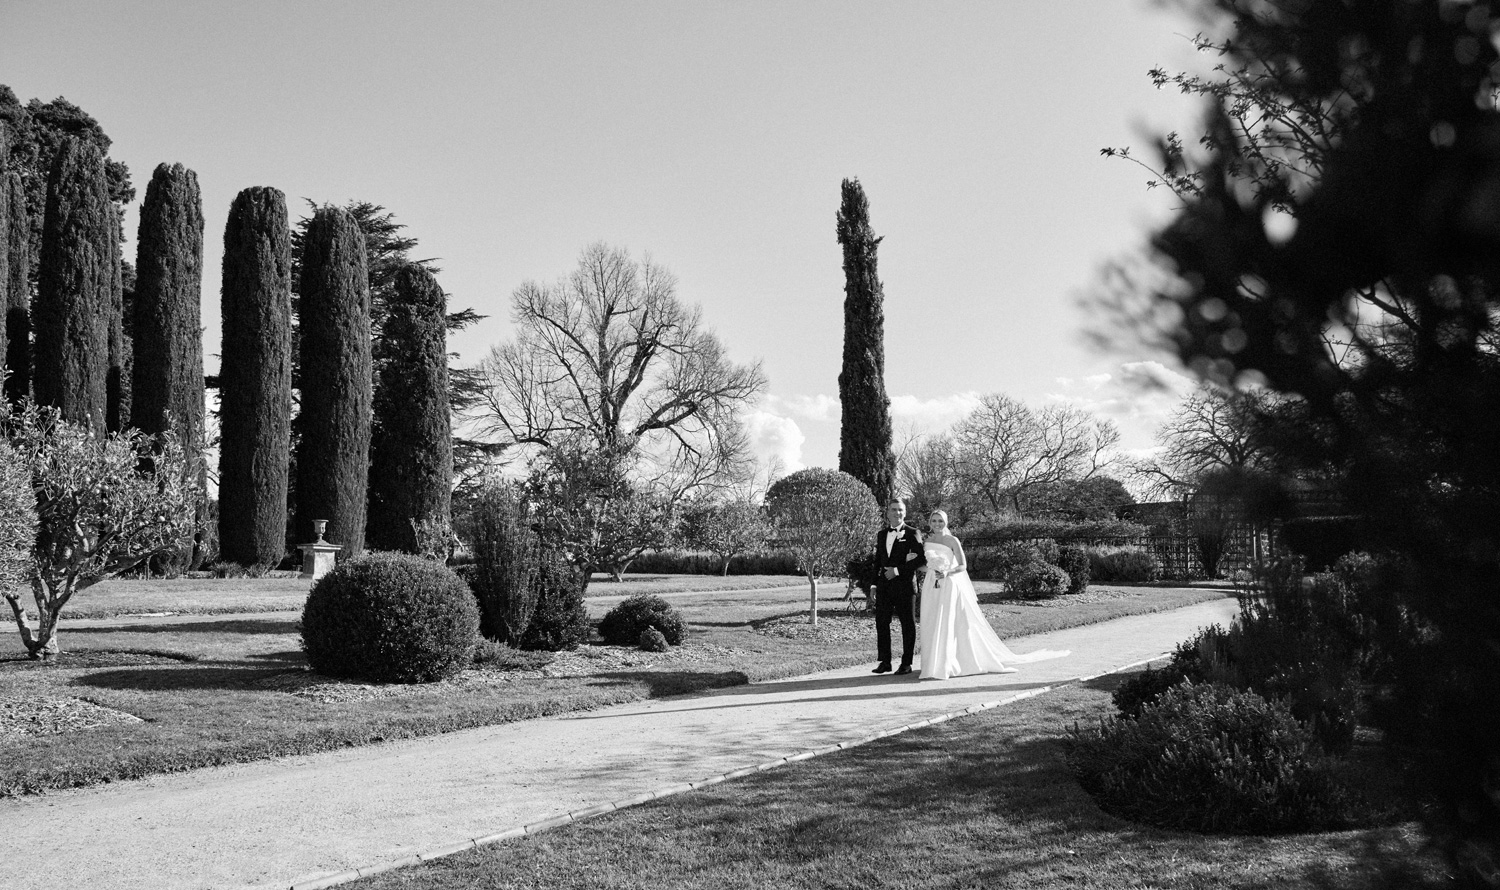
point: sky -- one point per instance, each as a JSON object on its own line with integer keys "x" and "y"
{"x": 712, "y": 136}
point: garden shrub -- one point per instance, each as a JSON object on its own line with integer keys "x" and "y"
{"x": 1037, "y": 580}
{"x": 390, "y": 617}
{"x": 624, "y": 623}
{"x": 1074, "y": 560}
{"x": 559, "y": 619}
{"x": 652, "y": 640}
{"x": 506, "y": 559}
{"x": 501, "y": 656}
{"x": 1321, "y": 540}
{"x": 1279, "y": 660}
{"x": 694, "y": 562}
{"x": 997, "y": 563}
{"x": 1123, "y": 565}
{"x": 1213, "y": 759}
{"x": 1142, "y": 689}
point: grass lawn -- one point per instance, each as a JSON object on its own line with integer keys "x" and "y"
{"x": 980, "y": 801}
{"x": 140, "y": 696}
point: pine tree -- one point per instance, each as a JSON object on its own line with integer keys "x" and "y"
{"x": 865, "y": 435}
{"x": 333, "y": 450}
{"x": 17, "y": 307}
{"x": 73, "y": 288}
{"x": 411, "y": 446}
{"x": 255, "y": 379}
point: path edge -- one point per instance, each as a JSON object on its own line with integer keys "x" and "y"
{"x": 318, "y": 881}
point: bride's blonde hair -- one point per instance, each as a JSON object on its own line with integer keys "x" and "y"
{"x": 939, "y": 513}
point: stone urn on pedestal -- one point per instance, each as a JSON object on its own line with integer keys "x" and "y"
{"x": 318, "y": 557}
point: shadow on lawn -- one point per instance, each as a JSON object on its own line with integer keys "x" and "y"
{"x": 246, "y": 626}
{"x": 215, "y": 676}
{"x": 664, "y": 683}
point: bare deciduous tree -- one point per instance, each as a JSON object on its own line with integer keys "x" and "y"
{"x": 609, "y": 356}
{"x": 1210, "y": 431}
{"x": 1004, "y": 450}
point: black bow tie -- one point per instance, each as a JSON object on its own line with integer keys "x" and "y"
{"x": 893, "y": 529}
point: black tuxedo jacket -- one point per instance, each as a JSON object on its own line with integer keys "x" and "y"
{"x": 908, "y": 542}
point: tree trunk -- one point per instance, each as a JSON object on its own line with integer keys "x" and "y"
{"x": 812, "y": 612}
{"x": 725, "y": 572}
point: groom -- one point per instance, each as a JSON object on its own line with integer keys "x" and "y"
{"x": 898, "y": 552}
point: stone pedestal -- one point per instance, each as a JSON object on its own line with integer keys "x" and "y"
{"x": 318, "y": 557}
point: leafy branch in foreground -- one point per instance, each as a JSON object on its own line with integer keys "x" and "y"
{"x": 104, "y": 504}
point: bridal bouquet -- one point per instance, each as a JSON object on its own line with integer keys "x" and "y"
{"x": 939, "y": 561}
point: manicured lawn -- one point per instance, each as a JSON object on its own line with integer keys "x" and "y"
{"x": 981, "y": 801}
{"x": 223, "y": 689}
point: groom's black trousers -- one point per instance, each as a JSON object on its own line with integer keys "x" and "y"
{"x": 893, "y": 597}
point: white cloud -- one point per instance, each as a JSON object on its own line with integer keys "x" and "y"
{"x": 819, "y": 408}
{"x": 1139, "y": 396}
{"x": 933, "y": 415}
{"x": 775, "y": 438}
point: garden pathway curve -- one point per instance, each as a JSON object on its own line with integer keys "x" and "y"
{"x": 296, "y": 820}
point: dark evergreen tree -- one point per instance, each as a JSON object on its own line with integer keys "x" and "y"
{"x": 333, "y": 447}
{"x": 38, "y": 132}
{"x": 73, "y": 288}
{"x": 255, "y": 379}
{"x": 411, "y": 444}
{"x": 167, "y": 391}
{"x": 865, "y": 433}
{"x": 17, "y": 307}
{"x": 4, "y": 239}
{"x": 118, "y": 383}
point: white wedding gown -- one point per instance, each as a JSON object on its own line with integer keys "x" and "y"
{"x": 955, "y": 639}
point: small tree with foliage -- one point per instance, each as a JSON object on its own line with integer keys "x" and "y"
{"x": 825, "y": 518}
{"x": 725, "y": 528}
{"x": 104, "y": 504}
{"x": 17, "y": 522}
{"x": 588, "y": 507}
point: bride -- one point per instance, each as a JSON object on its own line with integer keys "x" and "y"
{"x": 955, "y": 637}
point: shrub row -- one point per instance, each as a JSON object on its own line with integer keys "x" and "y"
{"x": 689, "y": 562}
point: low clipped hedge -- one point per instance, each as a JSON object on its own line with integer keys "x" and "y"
{"x": 1208, "y": 758}
{"x": 1123, "y": 565}
{"x": 625, "y": 623}
{"x": 391, "y": 618}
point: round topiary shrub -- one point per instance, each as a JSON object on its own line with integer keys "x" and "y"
{"x": 624, "y": 623}
{"x": 390, "y": 617}
{"x": 653, "y": 641}
{"x": 1037, "y": 580}
{"x": 1208, "y": 758}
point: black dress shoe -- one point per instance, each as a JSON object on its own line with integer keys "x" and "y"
{"x": 883, "y": 668}
{"x": 904, "y": 669}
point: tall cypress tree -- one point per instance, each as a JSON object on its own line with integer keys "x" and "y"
{"x": 333, "y": 450}
{"x": 255, "y": 379}
{"x": 411, "y": 447}
{"x": 4, "y": 241}
{"x": 865, "y": 435}
{"x": 167, "y": 377}
{"x": 117, "y": 384}
{"x": 17, "y": 307}
{"x": 73, "y": 288}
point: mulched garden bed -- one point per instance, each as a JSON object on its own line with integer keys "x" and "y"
{"x": 52, "y": 716}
